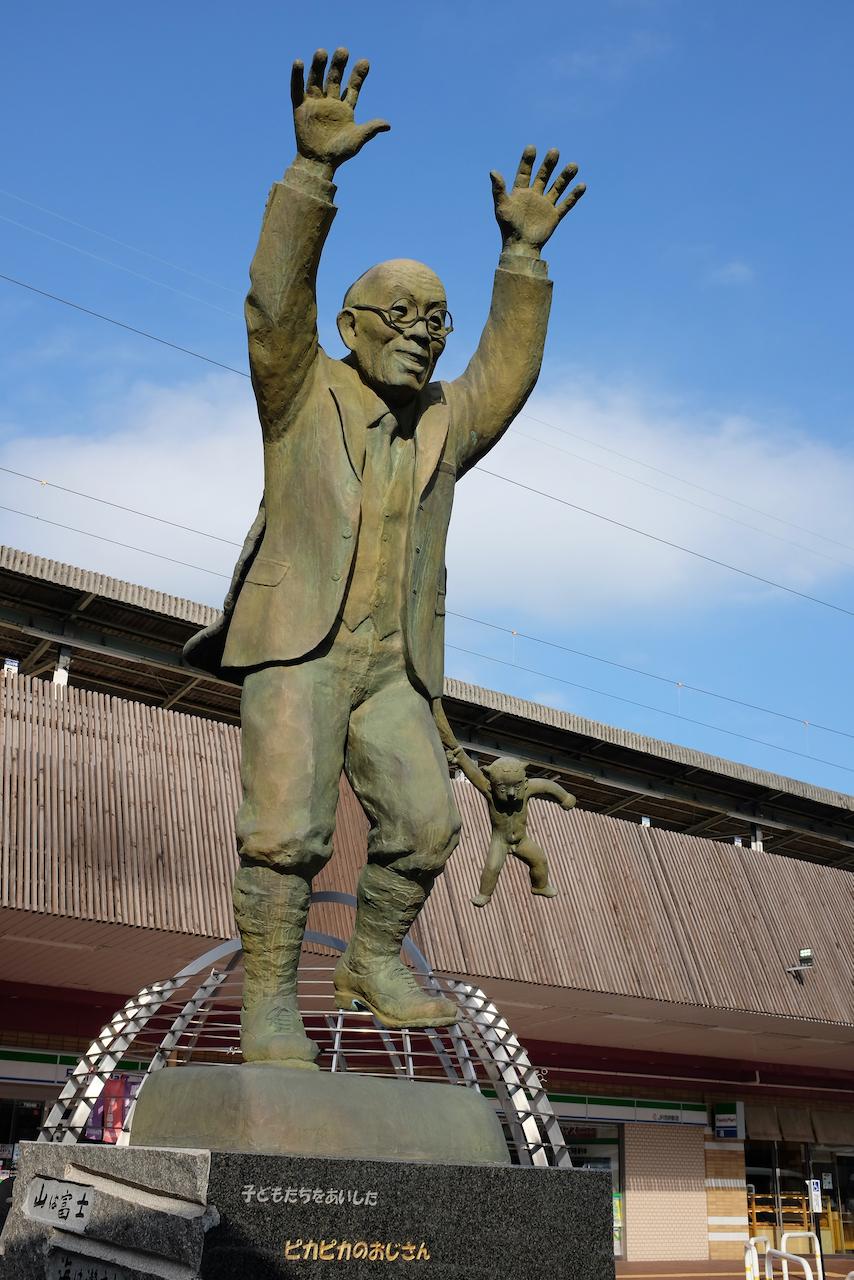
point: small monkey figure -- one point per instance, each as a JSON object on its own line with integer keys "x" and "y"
{"x": 507, "y": 789}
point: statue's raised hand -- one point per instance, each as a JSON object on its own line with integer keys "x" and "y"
{"x": 527, "y": 214}
{"x": 323, "y": 115}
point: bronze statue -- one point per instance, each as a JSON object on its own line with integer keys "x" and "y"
{"x": 334, "y": 620}
{"x": 507, "y": 788}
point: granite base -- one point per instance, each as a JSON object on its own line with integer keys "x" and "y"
{"x": 284, "y": 1217}
{"x": 217, "y": 1215}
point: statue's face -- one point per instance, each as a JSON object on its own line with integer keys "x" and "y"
{"x": 397, "y": 362}
{"x": 507, "y": 779}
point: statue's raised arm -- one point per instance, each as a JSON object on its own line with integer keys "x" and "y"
{"x": 504, "y": 369}
{"x": 281, "y": 308}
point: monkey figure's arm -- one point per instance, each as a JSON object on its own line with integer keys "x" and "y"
{"x": 281, "y": 307}
{"x": 501, "y": 374}
{"x": 475, "y": 776}
{"x": 543, "y": 789}
{"x": 455, "y": 752}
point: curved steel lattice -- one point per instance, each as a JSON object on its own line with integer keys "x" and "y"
{"x": 164, "y": 1026}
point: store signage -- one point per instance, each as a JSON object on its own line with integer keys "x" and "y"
{"x": 815, "y": 1195}
{"x": 665, "y": 1115}
{"x": 627, "y": 1110}
{"x": 729, "y": 1119}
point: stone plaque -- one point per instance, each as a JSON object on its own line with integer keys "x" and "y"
{"x": 59, "y": 1204}
{"x": 62, "y": 1265}
{"x": 295, "y": 1217}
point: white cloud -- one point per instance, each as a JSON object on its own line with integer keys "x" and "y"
{"x": 735, "y": 272}
{"x": 192, "y": 453}
{"x": 516, "y": 554}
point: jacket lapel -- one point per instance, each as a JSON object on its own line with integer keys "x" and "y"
{"x": 346, "y": 388}
{"x": 358, "y": 406}
{"x": 430, "y": 434}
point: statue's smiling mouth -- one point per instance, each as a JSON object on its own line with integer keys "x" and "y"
{"x": 417, "y": 360}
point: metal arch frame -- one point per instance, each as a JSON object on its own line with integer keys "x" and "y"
{"x": 533, "y": 1124}
{"x": 535, "y": 1130}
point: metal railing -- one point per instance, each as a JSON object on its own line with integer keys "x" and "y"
{"x": 786, "y": 1258}
{"x": 184, "y": 1020}
{"x": 816, "y": 1250}
{"x": 751, "y": 1256}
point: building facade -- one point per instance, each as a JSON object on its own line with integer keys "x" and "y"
{"x": 660, "y": 994}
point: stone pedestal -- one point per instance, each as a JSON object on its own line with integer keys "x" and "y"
{"x": 82, "y": 1211}
{"x": 220, "y": 1215}
{"x": 268, "y": 1108}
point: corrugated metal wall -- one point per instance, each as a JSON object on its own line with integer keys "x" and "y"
{"x": 116, "y": 811}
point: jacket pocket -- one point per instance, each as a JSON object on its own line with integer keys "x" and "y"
{"x": 266, "y": 572}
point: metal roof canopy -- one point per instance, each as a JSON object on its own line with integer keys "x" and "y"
{"x": 126, "y": 640}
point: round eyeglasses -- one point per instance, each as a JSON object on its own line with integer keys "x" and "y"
{"x": 403, "y": 315}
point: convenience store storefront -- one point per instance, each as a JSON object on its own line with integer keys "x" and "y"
{"x": 611, "y": 1134}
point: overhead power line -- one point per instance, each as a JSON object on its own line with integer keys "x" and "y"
{"x": 118, "y": 506}
{"x": 652, "y": 675}
{"x": 665, "y": 542}
{"x": 671, "y": 681}
{"x": 645, "y": 706}
{"x": 29, "y": 515}
{"x": 676, "y": 546}
{"x": 678, "y": 497}
{"x": 751, "y": 507}
{"x": 123, "y": 244}
{"x": 118, "y": 266}
{"x": 671, "y": 475}
{"x": 546, "y": 675}
{"x": 120, "y": 324}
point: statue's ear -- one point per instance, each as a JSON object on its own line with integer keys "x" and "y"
{"x": 347, "y": 327}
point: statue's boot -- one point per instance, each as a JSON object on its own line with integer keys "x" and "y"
{"x": 270, "y": 908}
{"x": 370, "y": 974}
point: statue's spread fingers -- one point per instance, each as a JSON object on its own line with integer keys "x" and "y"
{"x": 562, "y": 181}
{"x": 572, "y": 199}
{"x": 526, "y": 164}
{"x": 371, "y": 129}
{"x": 544, "y": 172}
{"x": 357, "y": 79}
{"x": 314, "y": 84}
{"x": 336, "y": 71}
{"x": 297, "y": 84}
{"x": 498, "y": 187}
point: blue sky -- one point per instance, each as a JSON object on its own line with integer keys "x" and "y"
{"x": 701, "y": 323}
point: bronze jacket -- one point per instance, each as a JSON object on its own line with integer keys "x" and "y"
{"x": 289, "y": 582}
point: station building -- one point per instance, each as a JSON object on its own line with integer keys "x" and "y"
{"x": 663, "y": 996}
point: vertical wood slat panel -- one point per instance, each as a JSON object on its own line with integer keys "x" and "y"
{"x": 114, "y": 810}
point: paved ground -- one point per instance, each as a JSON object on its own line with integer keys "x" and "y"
{"x": 835, "y": 1269}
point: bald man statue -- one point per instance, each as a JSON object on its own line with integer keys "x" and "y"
{"x": 334, "y": 620}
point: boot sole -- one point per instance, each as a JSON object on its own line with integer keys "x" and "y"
{"x": 350, "y": 1002}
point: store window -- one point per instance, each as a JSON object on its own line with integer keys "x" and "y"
{"x": 778, "y": 1174}
{"x": 597, "y": 1146}
{"x": 20, "y": 1121}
